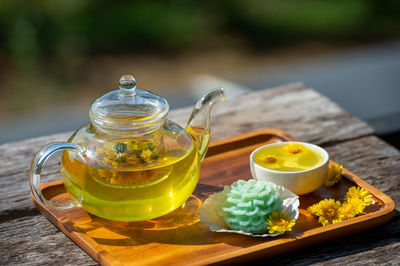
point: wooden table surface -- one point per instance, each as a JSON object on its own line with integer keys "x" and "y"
{"x": 26, "y": 237}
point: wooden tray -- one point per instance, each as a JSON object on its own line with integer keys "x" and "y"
{"x": 180, "y": 238}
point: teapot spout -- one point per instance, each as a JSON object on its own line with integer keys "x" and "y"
{"x": 199, "y": 121}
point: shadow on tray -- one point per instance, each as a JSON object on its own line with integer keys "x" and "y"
{"x": 181, "y": 227}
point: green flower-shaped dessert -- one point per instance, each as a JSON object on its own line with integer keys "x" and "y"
{"x": 246, "y": 205}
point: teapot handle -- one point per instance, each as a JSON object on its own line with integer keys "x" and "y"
{"x": 36, "y": 168}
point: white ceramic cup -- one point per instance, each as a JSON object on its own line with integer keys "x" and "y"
{"x": 300, "y": 182}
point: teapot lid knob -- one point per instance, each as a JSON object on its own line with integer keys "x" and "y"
{"x": 127, "y": 83}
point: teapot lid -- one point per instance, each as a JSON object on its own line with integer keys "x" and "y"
{"x": 129, "y": 110}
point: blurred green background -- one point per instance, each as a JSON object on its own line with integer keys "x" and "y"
{"x": 69, "y": 51}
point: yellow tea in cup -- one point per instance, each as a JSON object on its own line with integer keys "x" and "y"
{"x": 288, "y": 157}
{"x": 300, "y": 167}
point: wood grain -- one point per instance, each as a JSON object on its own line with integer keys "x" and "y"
{"x": 32, "y": 240}
{"x": 178, "y": 237}
{"x": 378, "y": 164}
{"x": 302, "y": 112}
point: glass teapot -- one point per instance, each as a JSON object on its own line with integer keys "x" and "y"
{"x": 130, "y": 163}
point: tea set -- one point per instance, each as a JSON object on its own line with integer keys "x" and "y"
{"x": 131, "y": 163}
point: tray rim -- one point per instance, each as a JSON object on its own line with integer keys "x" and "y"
{"x": 369, "y": 220}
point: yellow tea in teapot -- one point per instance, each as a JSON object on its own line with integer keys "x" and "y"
{"x": 131, "y": 162}
{"x": 201, "y": 136}
{"x": 288, "y": 157}
{"x": 133, "y": 181}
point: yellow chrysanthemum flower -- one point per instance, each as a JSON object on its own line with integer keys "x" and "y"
{"x": 359, "y": 193}
{"x": 328, "y": 211}
{"x": 146, "y": 155}
{"x": 279, "y": 222}
{"x": 313, "y": 209}
{"x": 270, "y": 159}
{"x": 352, "y": 207}
{"x": 334, "y": 175}
{"x": 293, "y": 148}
